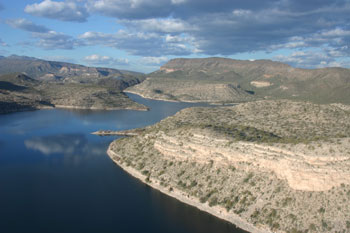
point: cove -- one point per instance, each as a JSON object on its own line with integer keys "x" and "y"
{"x": 56, "y": 177}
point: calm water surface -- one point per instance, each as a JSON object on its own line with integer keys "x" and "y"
{"x": 56, "y": 177}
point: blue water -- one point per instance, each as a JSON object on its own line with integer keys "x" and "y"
{"x": 56, "y": 177}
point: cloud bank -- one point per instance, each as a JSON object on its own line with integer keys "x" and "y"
{"x": 157, "y": 28}
{"x": 98, "y": 60}
{"x": 26, "y": 25}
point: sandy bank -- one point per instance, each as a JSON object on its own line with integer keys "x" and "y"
{"x": 178, "y": 101}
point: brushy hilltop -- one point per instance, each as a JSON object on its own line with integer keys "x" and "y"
{"x": 268, "y": 165}
{"x": 225, "y": 80}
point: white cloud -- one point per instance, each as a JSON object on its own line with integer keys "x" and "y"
{"x": 310, "y": 59}
{"x": 155, "y": 61}
{"x": 65, "y": 11}
{"x": 26, "y": 25}
{"x": 178, "y": 1}
{"x": 47, "y": 39}
{"x": 241, "y": 13}
{"x": 334, "y": 41}
{"x": 55, "y": 40}
{"x": 131, "y": 9}
{"x": 338, "y": 32}
{"x": 158, "y": 25}
{"x": 142, "y": 44}
{"x": 96, "y": 59}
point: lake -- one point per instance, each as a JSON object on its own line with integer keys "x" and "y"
{"x": 56, "y": 177}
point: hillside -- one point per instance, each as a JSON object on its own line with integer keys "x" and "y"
{"x": 28, "y": 83}
{"x": 199, "y": 79}
{"x": 190, "y": 91}
{"x": 266, "y": 166}
{"x": 52, "y": 71}
{"x": 18, "y": 92}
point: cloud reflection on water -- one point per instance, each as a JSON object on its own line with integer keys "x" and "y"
{"x": 66, "y": 144}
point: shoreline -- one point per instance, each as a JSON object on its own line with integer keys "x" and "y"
{"x": 28, "y": 109}
{"x": 216, "y": 211}
{"x": 179, "y": 101}
{"x": 95, "y": 108}
{"x": 160, "y": 99}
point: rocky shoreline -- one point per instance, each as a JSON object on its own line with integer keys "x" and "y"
{"x": 217, "y": 211}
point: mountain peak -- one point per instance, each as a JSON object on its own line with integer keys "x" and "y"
{"x": 16, "y": 57}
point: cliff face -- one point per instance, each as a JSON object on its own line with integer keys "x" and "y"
{"x": 298, "y": 166}
{"x": 278, "y": 165}
{"x": 261, "y": 79}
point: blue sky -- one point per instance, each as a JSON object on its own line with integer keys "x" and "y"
{"x": 141, "y": 35}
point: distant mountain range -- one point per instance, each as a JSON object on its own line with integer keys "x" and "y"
{"x": 28, "y": 83}
{"x": 227, "y": 80}
{"x": 53, "y": 71}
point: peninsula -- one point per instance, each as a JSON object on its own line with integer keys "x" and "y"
{"x": 271, "y": 165}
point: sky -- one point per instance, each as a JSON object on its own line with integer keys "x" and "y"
{"x": 142, "y": 35}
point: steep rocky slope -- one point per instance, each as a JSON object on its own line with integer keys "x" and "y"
{"x": 278, "y": 166}
{"x": 260, "y": 79}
